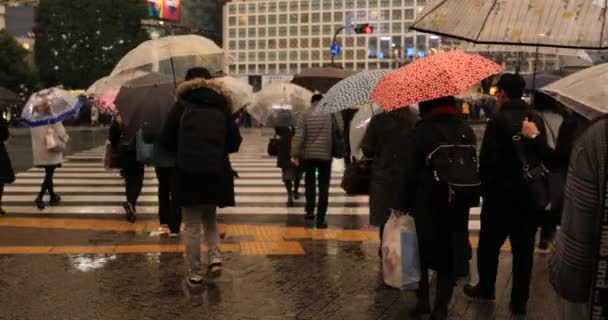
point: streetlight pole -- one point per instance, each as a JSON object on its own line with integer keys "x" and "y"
{"x": 334, "y": 41}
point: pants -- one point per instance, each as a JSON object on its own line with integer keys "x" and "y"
{"x": 133, "y": 172}
{"x": 324, "y": 168}
{"x": 168, "y": 213}
{"x": 1, "y": 194}
{"x": 521, "y": 230}
{"x": 570, "y": 311}
{"x": 194, "y": 217}
{"x": 47, "y": 183}
{"x": 443, "y": 295}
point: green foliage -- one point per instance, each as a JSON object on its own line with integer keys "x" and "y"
{"x": 15, "y": 73}
{"x": 78, "y": 42}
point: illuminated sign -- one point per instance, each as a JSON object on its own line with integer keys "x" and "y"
{"x": 164, "y": 9}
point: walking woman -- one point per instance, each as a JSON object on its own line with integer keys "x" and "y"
{"x": 6, "y": 168}
{"x": 132, "y": 170}
{"x": 291, "y": 174}
{"x": 46, "y": 157}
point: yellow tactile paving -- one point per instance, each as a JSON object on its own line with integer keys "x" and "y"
{"x": 82, "y": 249}
{"x": 253, "y": 248}
{"x": 145, "y": 248}
{"x": 25, "y": 250}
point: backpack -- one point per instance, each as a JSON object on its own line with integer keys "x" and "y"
{"x": 202, "y": 140}
{"x": 454, "y": 162}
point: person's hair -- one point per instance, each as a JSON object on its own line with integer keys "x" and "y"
{"x": 427, "y": 106}
{"x": 513, "y": 85}
{"x": 198, "y": 72}
{"x": 316, "y": 98}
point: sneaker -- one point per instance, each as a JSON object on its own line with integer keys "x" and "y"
{"x": 194, "y": 280}
{"x": 39, "y": 203}
{"x": 476, "y": 294}
{"x": 55, "y": 199}
{"x": 174, "y": 235}
{"x": 129, "y": 212}
{"x": 321, "y": 224}
{"x": 309, "y": 216}
{"x": 215, "y": 264}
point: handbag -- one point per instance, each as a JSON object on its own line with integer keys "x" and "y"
{"x": 536, "y": 179}
{"x": 145, "y": 150}
{"x": 338, "y": 146}
{"x": 357, "y": 177}
{"x": 273, "y": 147}
{"x": 111, "y": 157}
{"x": 53, "y": 142}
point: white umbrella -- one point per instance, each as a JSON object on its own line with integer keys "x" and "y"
{"x": 241, "y": 92}
{"x": 359, "y": 125}
{"x": 579, "y": 24}
{"x": 113, "y": 83}
{"x": 585, "y": 92}
{"x": 578, "y": 54}
{"x": 173, "y": 56}
{"x": 49, "y": 106}
{"x": 272, "y": 102}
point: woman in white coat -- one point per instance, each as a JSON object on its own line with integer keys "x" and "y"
{"x": 48, "y": 145}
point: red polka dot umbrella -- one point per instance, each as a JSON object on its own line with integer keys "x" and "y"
{"x": 436, "y": 76}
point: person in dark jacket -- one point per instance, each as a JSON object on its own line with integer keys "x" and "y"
{"x": 199, "y": 195}
{"x": 506, "y": 210}
{"x": 132, "y": 170}
{"x": 291, "y": 174}
{"x": 441, "y": 224}
{"x": 7, "y": 175}
{"x": 386, "y": 143}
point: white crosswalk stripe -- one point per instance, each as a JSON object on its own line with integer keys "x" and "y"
{"x": 88, "y": 188}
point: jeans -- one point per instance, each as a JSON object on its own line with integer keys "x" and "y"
{"x": 47, "y": 183}
{"x": 194, "y": 217}
{"x": 133, "y": 172}
{"x": 168, "y": 212}
{"x": 324, "y": 168}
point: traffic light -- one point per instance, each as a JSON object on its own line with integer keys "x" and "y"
{"x": 365, "y": 28}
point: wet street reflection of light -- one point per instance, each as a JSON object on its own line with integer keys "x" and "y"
{"x": 87, "y": 262}
{"x": 153, "y": 257}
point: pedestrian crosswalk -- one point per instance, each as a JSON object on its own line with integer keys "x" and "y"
{"x": 89, "y": 189}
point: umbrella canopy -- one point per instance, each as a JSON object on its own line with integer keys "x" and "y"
{"x": 439, "y": 75}
{"x": 359, "y": 125}
{"x": 539, "y": 80}
{"x": 7, "y": 96}
{"x": 145, "y": 102}
{"x": 320, "y": 79}
{"x": 585, "y": 92}
{"x": 352, "y": 91}
{"x": 549, "y": 23}
{"x": 105, "y": 102}
{"x": 113, "y": 83}
{"x": 49, "y": 106}
{"x": 241, "y": 92}
{"x": 173, "y": 56}
{"x": 272, "y": 103}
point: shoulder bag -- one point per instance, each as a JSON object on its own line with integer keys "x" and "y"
{"x": 536, "y": 179}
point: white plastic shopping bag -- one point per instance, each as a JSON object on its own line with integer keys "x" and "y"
{"x": 400, "y": 258}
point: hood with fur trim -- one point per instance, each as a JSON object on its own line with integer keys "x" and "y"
{"x": 187, "y": 87}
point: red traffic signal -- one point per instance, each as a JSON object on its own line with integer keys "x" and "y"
{"x": 365, "y": 28}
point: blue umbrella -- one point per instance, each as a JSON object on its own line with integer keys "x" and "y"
{"x": 48, "y": 107}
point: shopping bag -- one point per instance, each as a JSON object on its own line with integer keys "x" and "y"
{"x": 273, "y": 147}
{"x": 400, "y": 257}
{"x": 357, "y": 177}
{"x": 111, "y": 157}
{"x": 53, "y": 142}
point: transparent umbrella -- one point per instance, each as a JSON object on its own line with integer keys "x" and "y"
{"x": 241, "y": 92}
{"x": 275, "y": 100}
{"x": 49, "y": 106}
{"x": 113, "y": 83}
{"x": 173, "y": 56}
{"x": 359, "y": 125}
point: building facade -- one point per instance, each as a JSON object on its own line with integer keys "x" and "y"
{"x": 284, "y": 37}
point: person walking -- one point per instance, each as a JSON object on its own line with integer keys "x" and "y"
{"x": 507, "y": 209}
{"x": 575, "y": 268}
{"x": 440, "y": 212}
{"x": 132, "y": 170}
{"x": 7, "y": 175}
{"x": 386, "y": 142}
{"x": 200, "y": 132}
{"x": 312, "y": 150}
{"x": 291, "y": 173}
{"x": 44, "y": 157}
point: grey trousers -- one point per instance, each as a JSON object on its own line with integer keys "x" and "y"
{"x": 573, "y": 311}
{"x": 193, "y": 218}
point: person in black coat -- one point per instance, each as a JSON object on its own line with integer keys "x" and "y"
{"x": 7, "y": 175}
{"x": 441, "y": 224}
{"x": 507, "y": 210}
{"x": 197, "y": 194}
{"x": 291, "y": 174}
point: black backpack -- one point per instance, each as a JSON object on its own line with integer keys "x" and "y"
{"x": 202, "y": 141}
{"x": 454, "y": 162}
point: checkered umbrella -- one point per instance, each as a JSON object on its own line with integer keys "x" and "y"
{"x": 352, "y": 91}
{"x": 436, "y": 76}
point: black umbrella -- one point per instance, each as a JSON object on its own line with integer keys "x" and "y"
{"x": 145, "y": 102}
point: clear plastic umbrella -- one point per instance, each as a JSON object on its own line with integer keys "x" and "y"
{"x": 241, "y": 92}
{"x": 277, "y": 98}
{"x": 173, "y": 56}
{"x": 113, "y": 83}
{"x": 359, "y": 125}
{"x": 352, "y": 91}
{"x": 49, "y": 106}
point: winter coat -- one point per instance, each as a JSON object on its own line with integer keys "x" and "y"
{"x": 500, "y": 168}
{"x": 388, "y": 142}
{"x": 285, "y": 135}
{"x": 196, "y": 189}
{"x": 7, "y": 175}
{"x": 313, "y": 139}
{"x": 576, "y": 247}
{"x": 42, "y": 156}
{"x": 442, "y": 227}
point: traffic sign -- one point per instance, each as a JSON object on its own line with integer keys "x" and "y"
{"x": 335, "y": 49}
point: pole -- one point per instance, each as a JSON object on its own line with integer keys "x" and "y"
{"x": 535, "y": 67}
{"x": 334, "y": 41}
